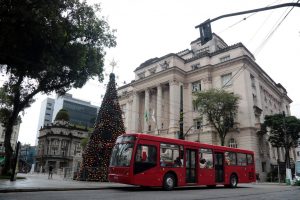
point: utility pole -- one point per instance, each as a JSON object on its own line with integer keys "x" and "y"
{"x": 205, "y": 27}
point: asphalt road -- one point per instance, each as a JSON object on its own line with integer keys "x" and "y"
{"x": 253, "y": 192}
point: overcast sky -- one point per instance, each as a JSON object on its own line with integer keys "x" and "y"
{"x": 154, "y": 28}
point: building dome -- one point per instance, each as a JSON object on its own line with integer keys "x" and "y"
{"x": 62, "y": 115}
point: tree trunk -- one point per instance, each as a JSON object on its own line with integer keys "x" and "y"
{"x": 222, "y": 140}
{"x": 7, "y": 145}
{"x": 287, "y": 158}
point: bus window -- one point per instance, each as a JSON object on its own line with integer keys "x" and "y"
{"x": 205, "y": 158}
{"x": 170, "y": 156}
{"x": 230, "y": 158}
{"x": 249, "y": 159}
{"x": 241, "y": 159}
{"x": 145, "y": 158}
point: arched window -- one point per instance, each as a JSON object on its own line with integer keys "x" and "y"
{"x": 232, "y": 143}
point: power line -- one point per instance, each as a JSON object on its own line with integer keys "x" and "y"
{"x": 257, "y": 51}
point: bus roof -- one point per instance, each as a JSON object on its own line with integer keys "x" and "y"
{"x": 185, "y": 142}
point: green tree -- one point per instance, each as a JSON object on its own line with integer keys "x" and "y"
{"x": 220, "y": 109}
{"x": 48, "y": 46}
{"x": 109, "y": 125}
{"x": 283, "y": 132}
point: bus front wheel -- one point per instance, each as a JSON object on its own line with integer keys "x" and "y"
{"x": 233, "y": 181}
{"x": 169, "y": 182}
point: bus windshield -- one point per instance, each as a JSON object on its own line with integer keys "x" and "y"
{"x": 121, "y": 154}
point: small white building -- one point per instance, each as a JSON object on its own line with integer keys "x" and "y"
{"x": 59, "y": 146}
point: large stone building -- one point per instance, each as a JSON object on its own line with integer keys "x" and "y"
{"x": 59, "y": 146}
{"x": 151, "y": 102}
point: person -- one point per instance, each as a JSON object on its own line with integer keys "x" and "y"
{"x": 203, "y": 163}
{"x": 177, "y": 162}
{"x": 50, "y": 172}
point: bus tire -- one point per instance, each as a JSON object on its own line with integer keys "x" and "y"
{"x": 169, "y": 182}
{"x": 233, "y": 181}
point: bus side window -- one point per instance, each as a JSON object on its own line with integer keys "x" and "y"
{"x": 230, "y": 158}
{"x": 241, "y": 159}
{"x": 249, "y": 159}
{"x": 205, "y": 159}
{"x": 170, "y": 155}
{"x": 145, "y": 158}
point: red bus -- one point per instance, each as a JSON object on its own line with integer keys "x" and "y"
{"x": 147, "y": 160}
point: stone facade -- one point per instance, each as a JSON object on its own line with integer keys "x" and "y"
{"x": 59, "y": 146}
{"x": 151, "y": 102}
{"x": 13, "y": 139}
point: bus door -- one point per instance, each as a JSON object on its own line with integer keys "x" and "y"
{"x": 145, "y": 163}
{"x": 190, "y": 164}
{"x": 206, "y": 167}
{"x": 219, "y": 167}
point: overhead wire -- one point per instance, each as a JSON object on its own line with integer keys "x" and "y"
{"x": 243, "y": 19}
{"x": 276, "y": 26}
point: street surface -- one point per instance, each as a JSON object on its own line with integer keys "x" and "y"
{"x": 244, "y": 191}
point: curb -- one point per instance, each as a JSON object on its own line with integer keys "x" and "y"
{"x": 12, "y": 190}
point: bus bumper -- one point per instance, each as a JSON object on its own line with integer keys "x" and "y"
{"x": 117, "y": 178}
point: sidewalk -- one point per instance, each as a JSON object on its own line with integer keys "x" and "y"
{"x": 40, "y": 182}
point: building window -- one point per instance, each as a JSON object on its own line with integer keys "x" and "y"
{"x": 48, "y": 108}
{"x": 263, "y": 166}
{"x": 123, "y": 109}
{"x": 254, "y": 99}
{"x": 141, "y": 75}
{"x": 252, "y": 81}
{"x": 49, "y": 104}
{"x": 226, "y": 80}
{"x": 205, "y": 49}
{"x": 197, "y": 124}
{"x": 232, "y": 143}
{"x": 196, "y": 86}
{"x": 195, "y": 66}
{"x": 225, "y": 58}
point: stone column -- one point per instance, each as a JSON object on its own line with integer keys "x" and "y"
{"x": 135, "y": 113}
{"x": 49, "y": 152}
{"x": 174, "y": 102}
{"x": 146, "y": 111}
{"x": 59, "y": 147}
{"x": 158, "y": 108}
{"x": 188, "y": 100}
{"x": 127, "y": 111}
